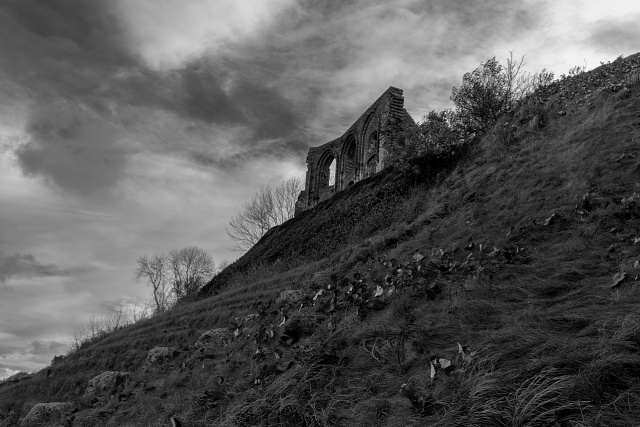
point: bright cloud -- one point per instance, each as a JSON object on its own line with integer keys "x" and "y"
{"x": 169, "y": 33}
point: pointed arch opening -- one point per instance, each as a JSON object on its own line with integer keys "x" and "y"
{"x": 332, "y": 173}
{"x": 326, "y": 175}
{"x": 349, "y": 166}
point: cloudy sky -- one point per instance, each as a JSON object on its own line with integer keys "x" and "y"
{"x": 137, "y": 126}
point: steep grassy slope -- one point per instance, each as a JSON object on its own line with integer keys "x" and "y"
{"x": 512, "y": 252}
{"x": 339, "y": 224}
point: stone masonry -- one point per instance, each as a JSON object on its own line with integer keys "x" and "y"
{"x": 358, "y": 153}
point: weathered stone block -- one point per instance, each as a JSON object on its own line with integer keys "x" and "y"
{"x": 158, "y": 356}
{"x": 48, "y": 414}
{"x": 107, "y": 382}
{"x": 215, "y": 338}
{"x": 291, "y": 296}
{"x": 250, "y": 319}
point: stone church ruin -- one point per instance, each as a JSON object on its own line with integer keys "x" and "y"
{"x": 357, "y": 154}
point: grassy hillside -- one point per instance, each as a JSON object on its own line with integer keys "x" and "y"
{"x": 339, "y": 226}
{"x": 525, "y": 250}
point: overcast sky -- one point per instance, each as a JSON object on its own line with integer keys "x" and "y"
{"x": 131, "y": 127}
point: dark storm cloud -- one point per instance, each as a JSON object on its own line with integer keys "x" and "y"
{"x": 269, "y": 114}
{"x": 341, "y": 55}
{"x": 73, "y": 150}
{"x": 206, "y": 160}
{"x": 60, "y": 48}
{"x": 88, "y": 24}
{"x": 222, "y": 95}
{"x": 76, "y": 51}
{"x": 203, "y": 96}
{"x": 272, "y": 87}
{"x": 18, "y": 265}
{"x": 275, "y": 151}
{"x": 61, "y": 53}
{"x": 309, "y": 41}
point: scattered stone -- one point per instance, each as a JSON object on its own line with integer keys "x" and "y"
{"x": 290, "y": 297}
{"x": 158, "y": 355}
{"x": 251, "y": 318}
{"x": 297, "y": 327}
{"x": 322, "y": 278}
{"x": 214, "y": 339}
{"x": 48, "y": 414}
{"x": 421, "y": 400}
{"x": 572, "y": 93}
{"x": 108, "y": 382}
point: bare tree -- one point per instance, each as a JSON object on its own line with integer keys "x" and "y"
{"x": 269, "y": 207}
{"x": 99, "y": 327}
{"x": 117, "y": 319}
{"x": 172, "y": 277}
{"x": 254, "y": 220}
{"x": 80, "y": 334}
{"x": 141, "y": 311}
{"x": 96, "y": 327}
{"x": 520, "y": 83}
{"x": 285, "y": 196}
{"x": 192, "y": 267}
{"x": 154, "y": 270}
{"x": 515, "y": 83}
{"x": 93, "y": 329}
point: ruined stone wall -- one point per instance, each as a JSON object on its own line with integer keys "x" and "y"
{"x": 358, "y": 153}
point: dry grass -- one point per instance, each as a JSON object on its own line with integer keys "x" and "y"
{"x": 556, "y": 345}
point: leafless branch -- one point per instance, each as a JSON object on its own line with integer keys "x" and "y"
{"x": 192, "y": 267}
{"x": 154, "y": 270}
{"x": 269, "y": 207}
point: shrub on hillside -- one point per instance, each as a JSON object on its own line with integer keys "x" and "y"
{"x": 485, "y": 94}
{"x": 482, "y": 97}
{"x": 437, "y": 134}
{"x": 491, "y": 89}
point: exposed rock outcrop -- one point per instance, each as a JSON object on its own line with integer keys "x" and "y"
{"x": 106, "y": 382}
{"x": 213, "y": 341}
{"x": 158, "y": 356}
{"x": 289, "y": 297}
{"x": 48, "y": 414}
{"x": 251, "y": 319}
{"x": 298, "y": 326}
